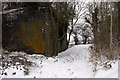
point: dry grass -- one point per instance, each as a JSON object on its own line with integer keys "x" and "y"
{"x": 104, "y": 58}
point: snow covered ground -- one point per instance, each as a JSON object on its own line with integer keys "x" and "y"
{"x": 72, "y": 63}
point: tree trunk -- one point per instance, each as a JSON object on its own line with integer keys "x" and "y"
{"x": 111, "y": 25}
{"x": 85, "y": 40}
{"x": 95, "y": 31}
{"x": 118, "y": 23}
{"x": 70, "y": 32}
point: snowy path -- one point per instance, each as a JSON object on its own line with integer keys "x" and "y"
{"x": 72, "y": 63}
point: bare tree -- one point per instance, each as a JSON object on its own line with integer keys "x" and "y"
{"x": 80, "y": 10}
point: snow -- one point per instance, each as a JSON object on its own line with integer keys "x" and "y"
{"x": 111, "y": 73}
{"x": 72, "y": 63}
{"x": 10, "y": 72}
{"x": 9, "y": 11}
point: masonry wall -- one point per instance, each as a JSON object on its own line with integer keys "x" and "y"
{"x": 32, "y": 32}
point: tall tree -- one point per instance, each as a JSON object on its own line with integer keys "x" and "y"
{"x": 118, "y": 22}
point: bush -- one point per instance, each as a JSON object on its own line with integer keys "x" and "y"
{"x": 104, "y": 58}
{"x": 14, "y": 59}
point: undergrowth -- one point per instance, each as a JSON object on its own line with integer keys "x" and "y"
{"x": 104, "y": 58}
{"x": 14, "y": 59}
